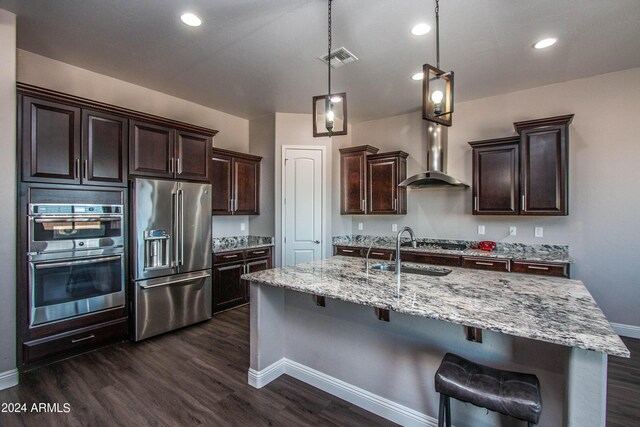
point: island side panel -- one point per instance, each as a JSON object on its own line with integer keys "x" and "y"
{"x": 586, "y": 389}
{"x": 397, "y": 360}
{"x": 266, "y": 334}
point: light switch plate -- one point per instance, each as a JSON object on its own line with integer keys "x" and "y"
{"x": 242, "y": 226}
{"x": 481, "y": 229}
{"x": 538, "y": 232}
{"x": 394, "y": 227}
{"x": 360, "y": 226}
{"x": 512, "y": 231}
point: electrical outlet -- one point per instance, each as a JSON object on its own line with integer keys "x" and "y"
{"x": 538, "y": 232}
{"x": 481, "y": 229}
{"x": 512, "y": 231}
{"x": 360, "y": 226}
{"x": 242, "y": 226}
{"x": 394, "y": 227}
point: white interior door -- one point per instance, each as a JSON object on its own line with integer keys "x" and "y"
{"x": 302, "y": 205}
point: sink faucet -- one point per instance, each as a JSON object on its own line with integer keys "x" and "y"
{"x": 413, "y": 244}
{"x": 366, "y": 264}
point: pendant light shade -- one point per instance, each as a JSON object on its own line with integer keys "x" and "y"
{"x": 329, "y": 111}
{"x": 437, "y": 87}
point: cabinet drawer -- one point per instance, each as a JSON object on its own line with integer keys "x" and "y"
{"x": 348, "y": 251}
{"x": 228, "y": 257}
{"x": 492, "y": 264}
{"x": 78, "y": 340}
{"x": 435, "y": 259}
{"x": 559, "y": 270}
{"x": 258, "y": 253}
{"x": 386, "y": 254}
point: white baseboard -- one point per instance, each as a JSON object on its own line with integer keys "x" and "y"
{"x": 371, "y": 402}
{"x": 259, "y": 379}
{"x": 626, "y": 330}
{"x": 8, "y": 379}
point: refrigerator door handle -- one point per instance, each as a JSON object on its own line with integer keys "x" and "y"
{"x": 181, "y": 206}
{"x": 162, "y": 283}
{"x": 174, "y": 220}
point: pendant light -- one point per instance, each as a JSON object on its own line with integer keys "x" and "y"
{"x": 437, "y": 87}
{"x": 330, "y": 111}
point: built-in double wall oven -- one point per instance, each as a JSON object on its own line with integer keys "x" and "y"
{"x": 76, "y": 260}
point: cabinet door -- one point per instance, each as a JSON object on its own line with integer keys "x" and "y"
{"x": 353, "y": 180}
{"x": 104, "y": 149}
{"x": 246, "y": 185}
{"x": 544, "y": 171}
{"x": 150, "y": 150}
{"x": 50, "y": 142}
{"x": 382, "y": 177}
{"x": 192, "y": 156}
{"x": 221, "y": 185}
{"x": 495, "y": 180}
{"x": 228, "y": 291}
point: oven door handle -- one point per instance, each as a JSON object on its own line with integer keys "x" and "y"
{"x": 44, "y": 266}
{"x": 77, "y": 219}
{"x": 173, "y": 282}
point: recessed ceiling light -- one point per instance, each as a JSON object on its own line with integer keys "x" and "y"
{"x": 421, "y": 29}
{"x": 191, "y": 19}
{"x": 544, "y": 43}
{"x": 418, "y": 76}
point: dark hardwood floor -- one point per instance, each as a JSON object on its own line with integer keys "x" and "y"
{"x": 196, "y": 376}
{"x": 623, "y": 389}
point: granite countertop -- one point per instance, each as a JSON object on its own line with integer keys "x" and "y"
{"x": 239, "y": 243}
{"x": 513, "y": 251}
{"x": 544, "y": 308}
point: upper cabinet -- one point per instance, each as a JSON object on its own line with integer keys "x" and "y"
{"x": 166, "y": 152}
{"x": 369, "y": 181}
{"x": 544, "y": 160}
{"x": 62, "y": 143}
{"x": 353, "y": 179}
{"x": 384, "y": 172}
{"x": 525, "y": 174}
{"x": 235, "y": 179}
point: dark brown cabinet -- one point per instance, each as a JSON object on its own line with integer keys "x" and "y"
{"x": 228, "y": 289}
{"x": 544, "y": 165}
{"x": 353, "y": 179}
{"x": 384, "y": 172}
{"x": 50, "y": 141}
{"x": 235, "y": 178}
{"x": 165, "y": 152}
{"x": 525, "y": 174}
{"x": 63, "y": 143}
{"x": 496, "y": 176}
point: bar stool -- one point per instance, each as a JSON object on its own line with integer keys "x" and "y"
{"x": 510, "y": 393}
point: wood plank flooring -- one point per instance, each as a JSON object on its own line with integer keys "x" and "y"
{"x": 623, "y": 388}
{"x": 198, "y": 377}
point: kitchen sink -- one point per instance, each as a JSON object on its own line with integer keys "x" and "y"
{"x": 423, "y": 271}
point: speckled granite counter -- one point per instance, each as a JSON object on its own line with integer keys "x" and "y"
{"x": 555, "y": 310}
{"x": 238, "y": 243}
{"x": 514, "y": 251}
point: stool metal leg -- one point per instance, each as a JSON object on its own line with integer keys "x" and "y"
{"x": 447, "y": 407}
{"x": 441, "y": 412}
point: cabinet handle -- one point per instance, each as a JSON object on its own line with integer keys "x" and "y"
{"x": 179, "y": 165}
{"x": 349, "y": 251}
{"x": 76, "y": 168}
{"x": 85, "y": 169}
{"x": 395, "y": 204}
{"x": 88, "y": 337}
{"x": 475, "y": 203}
{"x": 483, "y": 263}
{"x": 171, "y": 165}
{"x": 377, "y": 253}
{"x": 535, "y": 267}
{"x": 230, "y": 256}
{"x": 523, "y": 202}
{"x": 258, "y": 252}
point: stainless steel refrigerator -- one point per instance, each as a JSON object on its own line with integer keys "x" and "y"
{"x": 171, "y": 255}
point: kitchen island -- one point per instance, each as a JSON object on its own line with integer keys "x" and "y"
{"x": 548, "y": 326}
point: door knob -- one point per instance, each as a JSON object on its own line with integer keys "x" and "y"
{"x": 316, "y": 242}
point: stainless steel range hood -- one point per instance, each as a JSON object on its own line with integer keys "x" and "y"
{"x": 436, "y": 174}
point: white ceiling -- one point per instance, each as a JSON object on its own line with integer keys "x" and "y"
{"x": 251, "y": 57}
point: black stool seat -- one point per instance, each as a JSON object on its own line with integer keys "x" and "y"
{"x": 510, "y": 393}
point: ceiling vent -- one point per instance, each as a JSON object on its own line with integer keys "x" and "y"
{"x": 339, "y": 57}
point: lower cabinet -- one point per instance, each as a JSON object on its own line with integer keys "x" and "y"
{"x": 229, "y": 290}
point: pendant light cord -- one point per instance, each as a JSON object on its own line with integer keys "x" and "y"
{"x": 329, "y": 53}
{"x": 437, "y": 32}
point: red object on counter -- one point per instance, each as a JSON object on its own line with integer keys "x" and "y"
{"x": 486, "y": 245}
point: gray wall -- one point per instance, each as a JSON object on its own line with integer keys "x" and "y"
{"x": 262, "y": 142}
{"x": 8, "y": 191}
{"x": 602, "y": 229}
